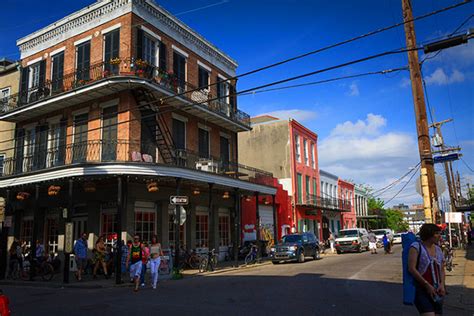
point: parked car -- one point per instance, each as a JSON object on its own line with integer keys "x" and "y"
{"x": 397, "y": 238}
{"x": 353, "y": 239}
{"x": 296, "y": 247}
{"x": 4, "y": 305}
{"x": 379, "y": 233}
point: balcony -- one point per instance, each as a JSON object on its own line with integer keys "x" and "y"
{"x": 123, "y": 151}
{"x": 106, "y": 78}
{"x": 328, "y": 204}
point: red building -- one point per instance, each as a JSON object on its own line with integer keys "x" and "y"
{"x": 346, "y": 195}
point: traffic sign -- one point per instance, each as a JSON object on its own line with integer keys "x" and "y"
{"x": 181, "y": 215}
{"x": 179, "y": 200}
{"x": 445, "y": 158}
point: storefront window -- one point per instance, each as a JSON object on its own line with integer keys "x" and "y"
{"x": 224, "y": 230}
{"x": 145, "y": 225}
{"x": 109, "y": 222}
{"x": 171, "y": 229}
{"x": 26, "y": 231}
{"x": 202, "y": 230}
{"x": 51, "y": 238}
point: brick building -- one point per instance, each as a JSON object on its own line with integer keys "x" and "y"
{"x": 346, "y": 194}
{"x": 121, "y": 106}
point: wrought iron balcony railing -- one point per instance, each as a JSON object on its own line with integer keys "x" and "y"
{"x": 124, "y": 151}
{"x": 327, "y": 203}
{"x": 224, "y": 106}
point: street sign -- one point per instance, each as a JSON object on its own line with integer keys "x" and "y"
{"x": 68, "y": 238}
{"x": 178, "y": 200}
{"x": 445, "y": 158}
{"x": 440, "y": 185}
{"x": 453, "y": 217}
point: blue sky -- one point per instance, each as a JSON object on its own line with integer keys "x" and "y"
{"x": 366, "y": 125}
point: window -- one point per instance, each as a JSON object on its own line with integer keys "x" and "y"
{"x": 203, "y": 78}
{"x": 54, "y": 134}
{"x": 203, "y": 143}
{"x": 111, "y": 50}
{"x": 307, "y": 187}
{"x": 313, "y": 156}
{"x": 222, "y": 90}
{"x": 26, "y": 231}
{"x": 145, "y": 225}
{"x": 2, "y": 161}
{"x": 4, "y": 95}
{"x": 79, "y": 151}
{"x": 108, "y": 226}
{"x": 305, "y": 149}
{"x": 297, "y": 148}
{"x": 224, "y": 230}
{"x": 83, "y": 61}
{"x": 57, "y": 71}
{"x": 179, "y": 134}
{"x": 29, "y": 149}
{"x": 109, "y": 133}
{"x": 315, "y": 191}
{"x": 202, "y": 230}
{"x": 149, "y": 50}
{"x": 179, "y": 69}
{"x": 299, "y": 190}
{"x": 225, "y": 152}
{"x": 34, "y": 76}
{"x": 51, "y": 235}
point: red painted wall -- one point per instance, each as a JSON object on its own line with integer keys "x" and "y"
{"x": 346, "y": 191}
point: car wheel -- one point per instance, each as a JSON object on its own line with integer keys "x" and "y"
{"x": 359, "y": 250}
{"x": 301, "y": 257}
{"x": 367, "y": 248}
{"x": 275, "y": 262}
{"x": 317, "y": 255}
{"x": 338, "y": 252}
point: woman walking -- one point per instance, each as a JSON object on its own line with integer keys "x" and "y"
{"x": 15, "y": 260}
{"x": 146, "y": 253}
{"x": 155, "y": 259}
{"x": 426, "y": 264}
{"x": 100, "y": 257}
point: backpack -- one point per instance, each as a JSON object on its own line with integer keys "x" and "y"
{"x": 408, "y": 280}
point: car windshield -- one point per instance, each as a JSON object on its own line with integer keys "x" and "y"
{"x": 292, "y": 238}
{"x": 379, "y": 231}
{"x": 348, "y": 233}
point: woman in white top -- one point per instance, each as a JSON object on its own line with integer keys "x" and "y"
{"x": 155, "y": 259}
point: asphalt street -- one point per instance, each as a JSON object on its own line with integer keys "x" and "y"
{"x": 348, "y": 284}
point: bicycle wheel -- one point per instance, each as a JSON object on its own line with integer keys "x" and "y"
{"x": 203, "y": 265}
{"x": 214, "y": 262}
{"x": 47, "y": 271}
{"x": 248, "y": 259}
{"x": 194, "y": 262}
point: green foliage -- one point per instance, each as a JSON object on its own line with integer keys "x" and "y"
{"x": 375, "y": 204}
{"x": 176, "y": 274}
{"x": 395, "y": 221}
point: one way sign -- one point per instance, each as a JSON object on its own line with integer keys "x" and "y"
{"x": 178, "y": 200}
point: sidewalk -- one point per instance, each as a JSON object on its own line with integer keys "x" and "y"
{"x": 460, "y": 281}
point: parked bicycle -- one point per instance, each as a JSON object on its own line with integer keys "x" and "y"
{"x": 251, "y": 257}
{"x": 43, "y": 269}
{"x": 448, "y": 256}
{"x": 189, "y": 260}
{"x": 209, "y": 262}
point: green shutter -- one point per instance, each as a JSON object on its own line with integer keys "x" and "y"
{"x": 299, "y": 189}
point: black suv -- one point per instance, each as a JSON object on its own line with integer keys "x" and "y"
{"x": 296, "y": 247}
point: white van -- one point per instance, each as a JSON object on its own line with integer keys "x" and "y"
{"x": 352, "y": 239}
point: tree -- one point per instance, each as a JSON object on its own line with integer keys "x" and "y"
{"x": 395, "y": 221}
{"x": 375, "y": 204}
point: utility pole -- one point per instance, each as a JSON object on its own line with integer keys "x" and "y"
{"x": 424, "y": 146}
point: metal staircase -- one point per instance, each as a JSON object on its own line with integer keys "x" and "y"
{"x": 155, "y": 124}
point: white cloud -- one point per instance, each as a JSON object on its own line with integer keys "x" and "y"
{"x": 370, "y": 126}
{"x": 362, "y": 151}
{"x": 439, "y": 77}
{"x": 297, "y": 114}
{"x": 406, "y": 82}
{"x": 354, "y": 90}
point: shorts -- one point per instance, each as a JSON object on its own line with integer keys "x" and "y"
{"x": 136, "y": 269}
{"x": 81, "y": 263}
{"x": 425, "y": 304}
{"x": 372, "y": 245}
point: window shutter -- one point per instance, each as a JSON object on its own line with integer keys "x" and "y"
{"x": 41, "y": 147}
{"x": 42, "y": 73}
{"x": 20, "y": 143}
{"x": 139, "y": 44}
{"x": 232, "y": 98}
{"x": 58, "y": 72}
{"x": 25, "y": 72}
{"x": 62, "y": 141}
{"x": 116, "y": 43}
{"x": 219, "y": 87}
{"x": 163, "y": 65}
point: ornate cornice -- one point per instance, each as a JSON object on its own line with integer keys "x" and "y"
{"x": 107, "y": 10}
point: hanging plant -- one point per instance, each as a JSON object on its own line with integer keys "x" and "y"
{"x": 53, "y": 190}
{"x": 152, "y": 186}
{"x": 89, "y": 187}
{"x": 115, "y": 61}
{"x": 22, "y": 196}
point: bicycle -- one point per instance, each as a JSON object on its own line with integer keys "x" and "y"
{"x": 43, "y": 269}
{"x": 190, "y": 260}
{"x": 209, "y": 262}
{"x": 448, "y": 257}
{"x": 251, "y": 257}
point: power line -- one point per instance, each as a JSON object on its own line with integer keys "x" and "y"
{"x": 465, "y": 163}
{"x": 379, "y": 192}
{"x": 409, "y": 180}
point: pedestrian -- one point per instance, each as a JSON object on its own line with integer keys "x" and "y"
{"x": 386, "y": 243}
{"x": 146, "y": 253}
{"x": 372, "y": 242}
{"x": 14, "y": 259}
{"x": 99, "y": 254}
{"x": 332, "y": 241}
{"x": 124, "y": 255}
{"x": 426, "y": 265}
{"x": 134, "y": 261}
{"x": 40, "y": 253}
{"x": 155, "y": 259}
{"x": 80, "y": 253}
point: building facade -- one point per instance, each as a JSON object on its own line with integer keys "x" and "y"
{"x": 414, "y": 215}
{"x": 360, "y": 205}
{"x": 346, "y": 194}
{"x": 122, "y": 106}
{"x": 329, "y": 190}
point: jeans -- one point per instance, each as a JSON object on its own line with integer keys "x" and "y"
{"x": 154, "y": 266}
{"x": 142, "y": 276}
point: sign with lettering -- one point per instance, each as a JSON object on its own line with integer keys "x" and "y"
{"x": 179, "y": 200}
{"x": 68, "y": 238}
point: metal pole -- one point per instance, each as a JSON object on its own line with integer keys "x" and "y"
{"x": 236, "y": 227}
{"x": 177, "y": 226}
{"x": 118, "y": 230}
{"x": 212, "y": 222}
{"x": 35, "y": 230}
{"x": 257, "y": 215}
{"x": 275, "y": 221}
{"x": 67, "y": 255}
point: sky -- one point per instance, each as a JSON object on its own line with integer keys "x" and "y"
{"x": 366, "y": 125}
